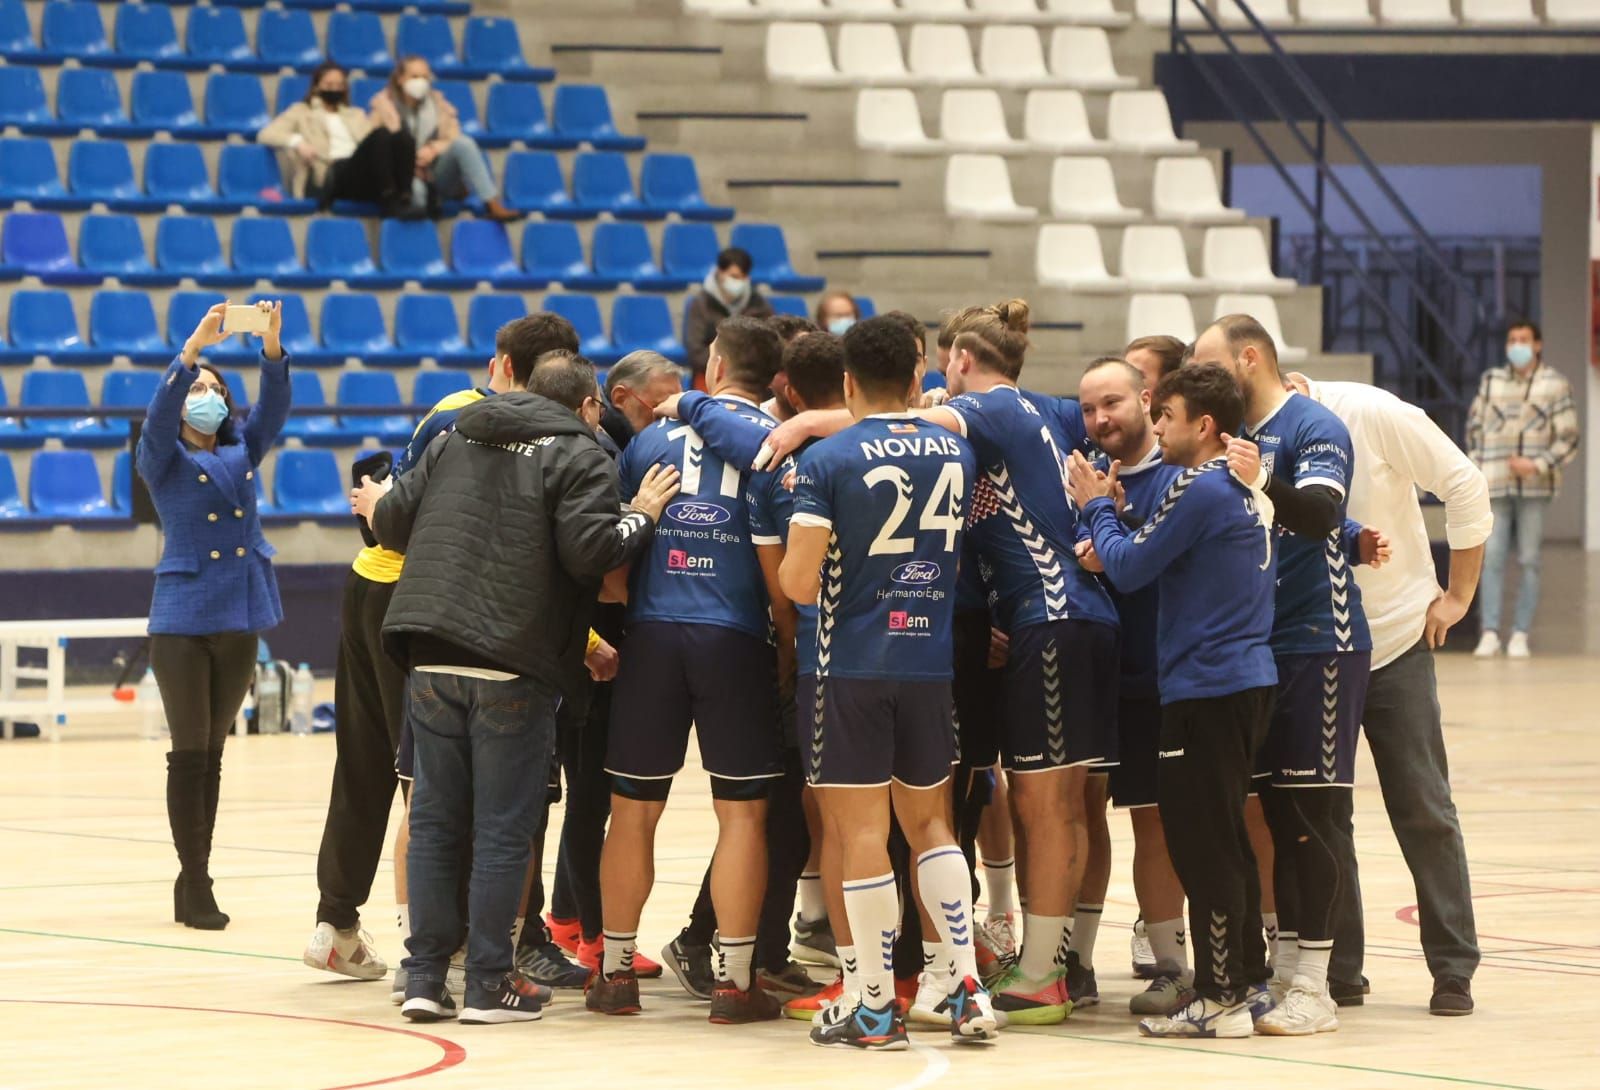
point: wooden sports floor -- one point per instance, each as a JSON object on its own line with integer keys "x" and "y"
{"x": 99, "y": 989}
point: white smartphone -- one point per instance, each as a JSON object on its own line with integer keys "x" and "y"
{"x": 246, "y": 319}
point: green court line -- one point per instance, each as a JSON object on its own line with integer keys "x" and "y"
{"x": 146, "y": 945}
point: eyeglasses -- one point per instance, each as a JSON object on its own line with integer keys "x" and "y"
{"x": 202, "y": 387}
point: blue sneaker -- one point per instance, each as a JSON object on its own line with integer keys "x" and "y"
{"x": 1202, "y": 1018}
{"x": 428, "y": 1001}
{"x": 971, "y": 1013}
{"x": 1260, "y": 1000}
{"x": 865, "y": 1028}
{"x": 514, "y": 998}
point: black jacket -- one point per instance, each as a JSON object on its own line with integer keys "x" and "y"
{"x": 508, "y": 524}
{"x": 705, "y": 313}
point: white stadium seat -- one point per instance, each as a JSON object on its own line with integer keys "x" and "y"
{"x": 1000, "y": 11}
{"x": 1186, "y": 190}
{"x": 797, "y": 9}
{"x": 1068, "y": 255}
{"x": 798, "y": 53}
{"x": 1058, "y": 121}
{"x": 1013, "y": 56}
{"x": 1572, "y": 12}
{"x": 1508, "y": 13}
{"x": 1236, "y": 259}
{"x": 887, "y": 119}
{"x": 863, "y": 9}
{"x": 974, "y": 120}
{"x": 1084, "y": 190}
{"x": 1335, "y": 13}
{"x": 870, "y": 53}
{"x": 1160, "y": 314}
{"x": 724, "y": 9}
{"x": 1088, "y": 12}
{"x": 1416, "y": 12}
{"x": 1159, "y": 13}
{"x": 941, "y": 53}
{"x": 1153, "y": 259}
{"x": 979, "y": 187}
{"x": 1140, "y": 121}
{"x": 1271, "y": 12}
{"x": 1264, "y": 309}
{"x": 1080, "y": 56}
{"x": 935, "y": 9}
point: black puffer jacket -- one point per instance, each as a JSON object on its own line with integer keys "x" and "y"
{"x": 508, "y": 524}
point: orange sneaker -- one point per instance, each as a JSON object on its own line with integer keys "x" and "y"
{"x": 566, "y": 934}
{"x": 805, "y": 1008}
{"x": 589, "y": 953}
{"x": 905, "y": 994}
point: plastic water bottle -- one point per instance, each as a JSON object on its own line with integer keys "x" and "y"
{"x": 155, "y": 716}
{"x": 269, "y": 701}
{"x": 300, "y": 718}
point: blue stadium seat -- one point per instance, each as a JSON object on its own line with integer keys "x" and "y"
{"x": 363, "y": 89}
{"x": 130, "y": 389}
{"x": 480, "y": 250}
{"x": 124, "y": 324}
{"x": 72, "y": 28}
{"x": 102, "y": 170}
{"x": 369, "y": 389}
{"x": 866, "y": 306}
{"x": 584, "y": 314}
{"x": 352, "y": 325}
{"x": 622, "y": 252}
{"x": 145, "y": 32}
{"x": 17, "y": 44}
{"x": 184, "y": 311}
{"x": 13, "y": 436}
{"x": 491, "y": 44}
{"x": 286, "y": 39}
{"x": 65, "y": 484}
{"x": 459, "y": 94}
{"x": 516, "y": 112}
{"x": 409, "y": 250}
{"x": 312, "y": 429}
{"x": 263, "y": 249}
{"x": 111, "y": 245}
{"x": 767, "y": 248}
{"x": 553, "y": 253}
{"x": 485, "y": 315}
{"x": 689, "y": 250}
{"x": 188, "y": 246}
{"x": 310, "y": 5}
{"x": 88, "y": 98}
{"x": 122, "y": 484}
{"x": 58, "y": 389}
{"x": 426, "y": 325}
{"x": 355, "y": 40}
{"x": 433, "y": 387}
{"x": 583, "y": 112}
{"x": 248, "y": 174}
{"x": 298, "y": 339}
{"x": 23, "y": 104}
{"x": 176, "y": 174}
{"x": 643, "y": 322}
{"x": 789, "y": 304}
{"x": 533, "y": 183}
{"x": 215, "y": 35}
{"x": 11, "y": 505}
{"x": 235, "y": 103}
{"x": 602, "y": 182}
{"x": 307, "y": 483}
{"x": 671, "y": 183}
{"x": 161, "y": 102}
{"x": 338, "y": 248}
{"x": 430, "y": 37}
{"x": 36, "y": 243}
{"x": 28, "y": 173}
{"x": 292, "y": 89}
{"x": 42, "y": 324}
{"x": 237, "y": 390}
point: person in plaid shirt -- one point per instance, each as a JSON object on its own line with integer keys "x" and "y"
{"x": 1522, "y": 428}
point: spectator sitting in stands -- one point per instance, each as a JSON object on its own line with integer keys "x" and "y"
{"x": 449, "y": 164}
{"x": 726, "y": 292}
{"x": 837, "y": 311}
{"x": 329, "y": 150}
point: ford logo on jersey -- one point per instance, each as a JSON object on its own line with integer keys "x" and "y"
{"x": 697, "y": 513}
{"x": 917, "y": 572}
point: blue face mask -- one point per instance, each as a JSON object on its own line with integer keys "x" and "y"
{"x": 1519, "y": 355}
{"x": 838, "y": 326}
{"x": 206, "y": 413}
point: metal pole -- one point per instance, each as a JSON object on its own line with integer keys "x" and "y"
{"x": 1321, "y": 198}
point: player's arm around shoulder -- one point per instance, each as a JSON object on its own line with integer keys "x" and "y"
{"x": 810, "y": 527}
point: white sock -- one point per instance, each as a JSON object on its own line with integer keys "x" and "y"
{"x": 999, "y": 883}
{"x": 620, "y": 947}
{"x": 935, "y": 960}
{"x": 516, "y": 928}
{"x": 1085, "y": 926}
{"x": 946, "y": 886}
{"x": 848, "y": 967}
{"x": 402, "y": 918}
{"x": 734, "y": 955}
{"x": 1269, "y": 924}
{"x": 871, "y": 904}
{"x": 1042, "y": 940}
{"x": 1287, "y": 954}
{"x": 812, "y": 905}
{"x": 1167, "y": 941}
{"x": 1311, "y": 968}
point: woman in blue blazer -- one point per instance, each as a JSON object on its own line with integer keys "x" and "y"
{"x": 215, "y": 589}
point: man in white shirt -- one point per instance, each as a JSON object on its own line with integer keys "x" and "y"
{"x": 1398, "y": 450}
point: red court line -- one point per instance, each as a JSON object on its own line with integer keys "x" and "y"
{"x": 1408, "y": 914}
{"x": 453, "y": 1053}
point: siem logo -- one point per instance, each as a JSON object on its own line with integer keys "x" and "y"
{"x": 901, "y": 621}
{"x": 698, "y": 513}
{"x": 918, "y": 572}
{"x": 678, "y": 560}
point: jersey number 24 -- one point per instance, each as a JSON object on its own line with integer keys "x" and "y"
{"x": 941, "y": 514}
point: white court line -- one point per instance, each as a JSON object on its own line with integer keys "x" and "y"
{"x": 937, "y": 1066}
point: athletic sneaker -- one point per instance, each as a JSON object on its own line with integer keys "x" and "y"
{"x": 807, "y": 1007}
{"x": 732, "y": 1006}
{"x": 814, "y": 943}
{"x": 1517, "y": 646}
{"x": 1024, "y": 1002}
{"x": 691, "y": 964}
{"x": 397, "y": 991}
{"x": 995, "y": 945}
{"x": 591, "y": 953}
{"x": 1201, "y": 1018}
{"x": 929, "y": 1008}
{"x": 566, "y": 934}
{"x": 865, "y": 1028}
{"x": 1145, "y": 966}
{"x": 1167, "y": 994}
{"x": 348, "y": 953}
{"x": 515, "y": 999}
{"x": 1260, "y": 998}
{"x": 1301, "y": 1013}
{"x": 970, "y": 1013}
{"x": 546, "y": 964}
{"x": 1488, "y": 645}
{"x": 614, "y": 994}
{"x": 1081, "y": 986}
{"x": 791, "y": 982}
{"x": 428, "y": 1003}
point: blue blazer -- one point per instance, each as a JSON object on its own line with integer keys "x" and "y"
{"x": 215, "y": 573}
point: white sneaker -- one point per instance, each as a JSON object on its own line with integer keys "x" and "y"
{"x": 348, "y": 953}
{"x": 1489, "y": 645}
{"x": 1002, "y": 936}
{"x": 1144, "y": 955}
{"x": 1301, "y": 1013}
{"x": 838, "y": 1010}
{"x": 397, "y": 991}
{"x": 1518, "y": 647}
{"x": 1201, "y": 1018}
{"x": 1166, "y": 995}
{"x": 455, "y": 976}
{"x": 932, "y": 988}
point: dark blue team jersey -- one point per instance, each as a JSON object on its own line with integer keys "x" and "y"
{"x": 701, "y": 567}
{"x": 1065, "y": 415}
{"x": 1318, "y": 603}
{"x": 1209, "y": 552}
{"x": 893, "y": 490}
{"x": 1022, "y": 521}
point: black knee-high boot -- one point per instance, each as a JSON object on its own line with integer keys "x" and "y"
{"x": 192, "y": 902}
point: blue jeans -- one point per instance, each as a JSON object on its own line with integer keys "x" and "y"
{"x": 460, "y": 171}
{"x": 1523, "y": 516}
{"x": 482, "y": 757}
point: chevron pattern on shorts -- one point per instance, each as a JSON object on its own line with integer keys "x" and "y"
{"x": 827, "y": 608}
{"x": 1054, "y": 724}
{"x": 1330, "y": 721}
{"x": 1339, "y": 579}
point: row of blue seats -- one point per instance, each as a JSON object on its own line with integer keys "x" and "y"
{"x": 146, "y": 33}
{"x": 248, "y": 175}
{"x": 234, "y": 104}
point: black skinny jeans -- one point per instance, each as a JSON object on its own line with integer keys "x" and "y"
{"x": 203, "y": 680}
{"x": 380, "y": 169}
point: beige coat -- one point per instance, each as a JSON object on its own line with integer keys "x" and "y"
{"x": 305, "y": 121}
{"x": 447, "y": 123}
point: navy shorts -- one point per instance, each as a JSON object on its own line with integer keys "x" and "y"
{"x": 866, "y": 732}
{"x": 1316, "y": 722}
{"x": 979, "y": 692}
{"x": 722, "y": 681}
{"x": 1133, "y": 780}
{"x": 1061, "y": 695}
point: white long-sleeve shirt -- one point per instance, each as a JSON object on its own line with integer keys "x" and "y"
{"x": 1398, "y": 451}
